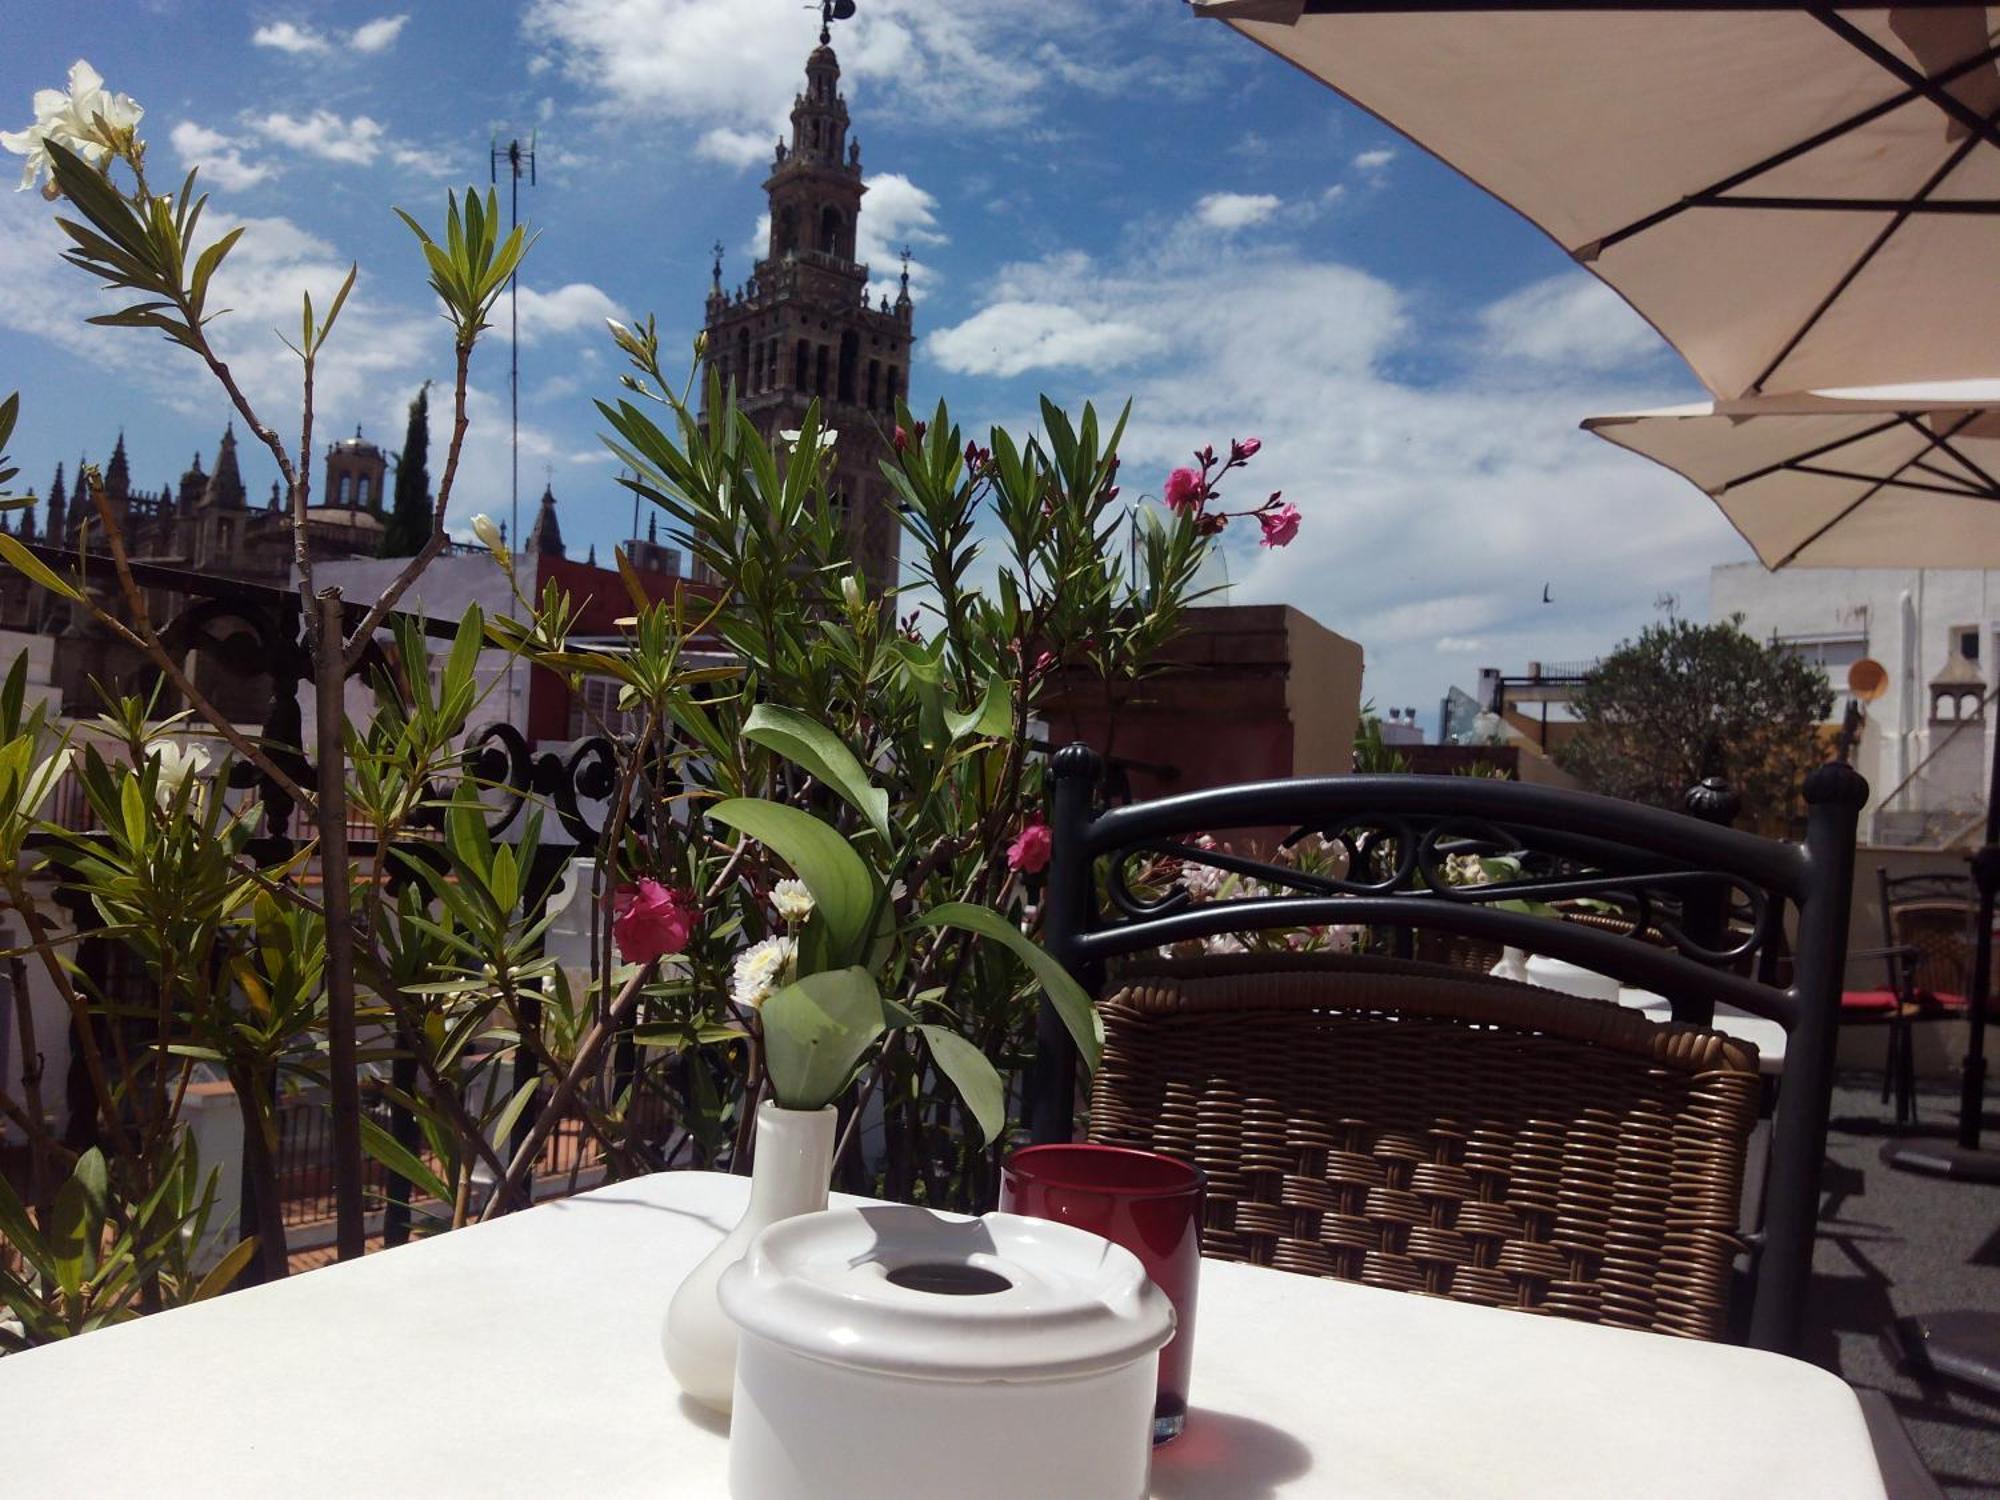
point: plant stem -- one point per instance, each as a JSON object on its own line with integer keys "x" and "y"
{"x": 336, "y": 896}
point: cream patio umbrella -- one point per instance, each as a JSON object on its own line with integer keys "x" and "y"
{"x": 1871, "y": 478}
{"x": 1795, "y": 196}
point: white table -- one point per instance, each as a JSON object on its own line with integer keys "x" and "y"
{"x": 522, "y": 1358}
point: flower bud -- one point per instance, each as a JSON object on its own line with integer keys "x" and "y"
{"x": 488, "y": 531}
{"x": 1243, "y": 449}
{"x": 850, "y": 594}
{"x": 701, "y": 344}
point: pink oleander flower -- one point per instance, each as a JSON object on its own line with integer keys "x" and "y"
{"x": 1185, "y": 491}
{"x": 1244, "y": 449}
{"x": 1029, "y": 853}
{"x": 650, "y": 921}
{"x": 1280, "y": 525}
{"x": 900, "y": 439}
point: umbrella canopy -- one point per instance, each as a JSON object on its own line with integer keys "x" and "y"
{"x": 1795, "y": 196}
{"x": 1841, "y": 479}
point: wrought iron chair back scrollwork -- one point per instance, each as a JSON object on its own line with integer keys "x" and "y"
{"x": 1551, "y": 1126}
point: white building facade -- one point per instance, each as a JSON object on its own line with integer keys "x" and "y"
{"x": 1927, "y": 743}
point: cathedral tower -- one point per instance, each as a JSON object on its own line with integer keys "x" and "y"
{"x": 802, "y": 327}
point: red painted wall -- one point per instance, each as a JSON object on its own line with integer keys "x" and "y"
{"x": 600, "y": 600}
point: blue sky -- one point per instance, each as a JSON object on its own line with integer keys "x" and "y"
{"x": 1104, "y": 200}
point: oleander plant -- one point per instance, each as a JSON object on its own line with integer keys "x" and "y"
{"x": 815, "y": 879}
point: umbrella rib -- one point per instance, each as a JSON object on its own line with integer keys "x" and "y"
{"x": 1866, "y": 258}
{"x": 1958, "y": 481}
{"x": 1887, "y": 425}
{"x": 1961, "y": 459}
{"x": 1956, "y": 491}
{"x": 1931, "y": 439}
{"x": 1698, "y": 199}
{"x": 1858, "y": 205}
{"x": 1982, "y": 127}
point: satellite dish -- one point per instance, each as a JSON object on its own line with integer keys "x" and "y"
{"x": 1868, "y": 679}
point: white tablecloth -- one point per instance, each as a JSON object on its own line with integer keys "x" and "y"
{"x": 522, "y": 1358}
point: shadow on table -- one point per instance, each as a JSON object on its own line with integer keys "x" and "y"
{"x": 704, "y": 1418}
{"x": 1224, "y": 1454}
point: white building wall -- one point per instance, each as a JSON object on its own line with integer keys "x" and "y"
{"x": 1908, "y": 620}
{"x": 442, "y": 592}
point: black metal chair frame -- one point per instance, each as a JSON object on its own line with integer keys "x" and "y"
{"x": 1721, "y": 897}
{"x": 1901, "y": 961}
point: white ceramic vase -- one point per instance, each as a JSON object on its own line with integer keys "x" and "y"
{"x": 789, "y": 1177}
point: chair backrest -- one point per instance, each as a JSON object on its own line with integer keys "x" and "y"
{"x": 1722, "y": 898}
{"x": 1467, "y": 1137}
{"x": 1934, "y": 915}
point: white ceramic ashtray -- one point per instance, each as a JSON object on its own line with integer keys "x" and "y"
{"x": 893, "y": 1353}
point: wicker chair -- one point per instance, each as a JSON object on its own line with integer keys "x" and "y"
{"x": 1472, "y": 1138}
{"x": 1424, "y": 1128}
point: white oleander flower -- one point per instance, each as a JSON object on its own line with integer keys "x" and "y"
{"x": 85, "y": 119}
{"x": 828, "y": 436}
{"x": 1464, "y": 869}
{"x": 179, "y": 760}
{"x": 794, "y": 902}
{"x": 1225, "y": 942}
{"x": 760, "y": 969}
{"x": 1202, "y": 882}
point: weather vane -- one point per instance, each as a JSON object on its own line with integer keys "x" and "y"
{"x": 829, "y": 12}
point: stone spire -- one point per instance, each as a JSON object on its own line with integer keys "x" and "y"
{"x": 546, "y": 538}
{"x": 225, "y": 486}
{"x": 118, "y": 474}
{"x": 58, "y": 505}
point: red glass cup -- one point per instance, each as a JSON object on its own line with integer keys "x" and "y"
{"x": 1148, "y": 1203}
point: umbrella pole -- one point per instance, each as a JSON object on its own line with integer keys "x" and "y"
{"x": 1986, "y": 876}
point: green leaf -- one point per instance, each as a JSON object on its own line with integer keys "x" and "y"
{"x": 1071, "y": 1003}
{"x": 842, "y": 886}
{"x": 391, "y": 1152}
{"x": 226, "y": 1270}
{"x": 25, "y": 562}
{"x": 974, "y": 1078}
{"x": 818, "y": 750}
{"x": 816, "y": 1031}
{"x": 993, "y": 717}
{"x": 69, "y": 1237}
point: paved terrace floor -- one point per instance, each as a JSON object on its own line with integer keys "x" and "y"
{"x": 1891, "y": 1245}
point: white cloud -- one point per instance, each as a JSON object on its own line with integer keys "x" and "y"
{"x": 324, "y": 134}
{"x": 1375, "y": 160}
{"x": 1572, "y": 320}
{"x": 380, "y": 350}
{"x": 735, "y": 148}
{"x": 1433, "y": 513}
{"x": 577, "y": 306}
{"x": 219, "y": 156}
{"x": 897, "y": 213}
{"x": 287, "y": 36}
{"x": 1227, "y": 211}
{"x": 735, "y": 64}
{"x": 378, "y": 35}
{"x": 1011, "y": 338}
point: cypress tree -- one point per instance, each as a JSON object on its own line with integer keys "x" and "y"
{"x": 410, "y": 520}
